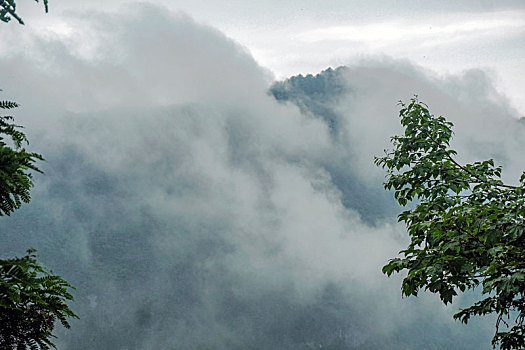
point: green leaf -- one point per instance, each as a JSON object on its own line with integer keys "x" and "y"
{"x": 466, "y": 228}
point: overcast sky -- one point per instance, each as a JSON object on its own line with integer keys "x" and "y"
{"x": 291, "y": 37}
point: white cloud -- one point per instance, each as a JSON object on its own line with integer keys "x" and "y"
{"x": 441, "y": 29}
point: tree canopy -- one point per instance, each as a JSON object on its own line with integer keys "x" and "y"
{"x": 31, "y": 297}
{"x": 466, "y": 228}
{"x": 8, "y": 10}
{"x": 15, "y": 164}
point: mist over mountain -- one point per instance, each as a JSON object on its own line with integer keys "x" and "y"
{"x": 317, "y": 96}
{"x": 197, "y": 204}
{"x": 314, "y": 94}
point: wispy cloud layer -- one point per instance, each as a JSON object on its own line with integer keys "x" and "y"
{"x": 437, "y": 30}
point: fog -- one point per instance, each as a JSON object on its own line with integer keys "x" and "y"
{"x": 195, "y": 203}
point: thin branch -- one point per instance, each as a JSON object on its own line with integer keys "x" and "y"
{"x": 468, "y": 171}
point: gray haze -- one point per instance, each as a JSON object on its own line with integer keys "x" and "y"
{"x": 292, "y": 37}
{"x": 193, "y": 210}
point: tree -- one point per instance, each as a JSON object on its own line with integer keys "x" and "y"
{"x": 15, "y": 164}
{"x": 466, "y": 228}
{"x": 8, "y": 10}
{"x": 31, "y": 297}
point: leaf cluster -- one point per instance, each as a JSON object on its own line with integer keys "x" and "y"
{"x": 467, "y": 228}
{"x": 16, "y": 164}
{"x": 8, "y": 10}
{"x": 31, "y": 299}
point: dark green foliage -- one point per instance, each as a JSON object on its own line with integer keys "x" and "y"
{"x": 15, "y": 164}
{"x": 31, "y": 299}
{"x": 324, "y": 84}
{"x": 8, "y": 10}
{"x": 467, "y": 228}
{"x": 314, "y": 94}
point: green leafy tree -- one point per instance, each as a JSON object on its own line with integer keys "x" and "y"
{"x": 31, "y": 300}
{"x": 15, "y": 164}
{"x": 31, "y": 297}
{"x": 466, "y": 228}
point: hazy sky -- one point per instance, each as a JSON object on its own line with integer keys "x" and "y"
{"x": 291, "y": 37}
{"x": 192, "y": 210}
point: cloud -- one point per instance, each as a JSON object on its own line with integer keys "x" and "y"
{"x": 435, "y": 31}
{"x": 481, "y": 115}
{"x": 192, "y": 210}
{"x": 162, "y": 63}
